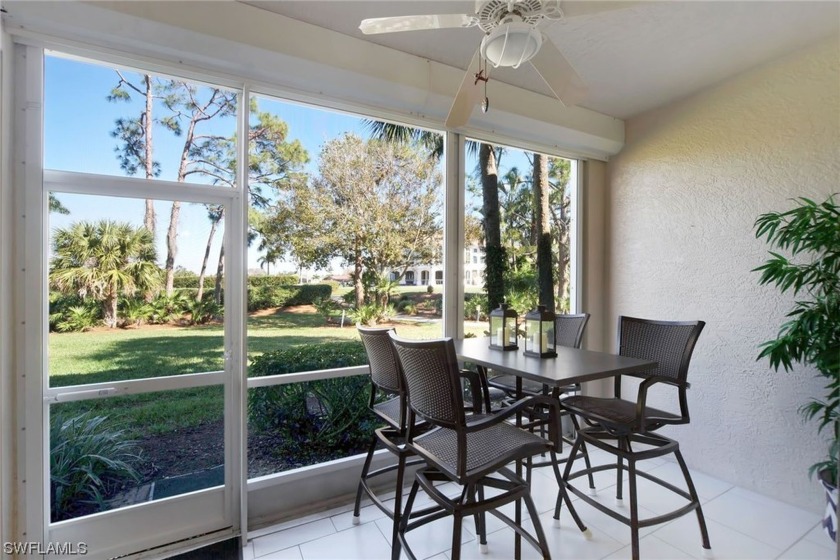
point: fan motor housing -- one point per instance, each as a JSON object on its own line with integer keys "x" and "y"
{"x": 491, "y": 13}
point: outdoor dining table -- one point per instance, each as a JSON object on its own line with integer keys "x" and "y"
{"x": 569, "y": 367}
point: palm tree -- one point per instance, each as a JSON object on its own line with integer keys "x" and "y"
{"x": 545, "y": 270}
{"x": 104, "y": 260}
{"x": 399, "y": 134}
{"x": 495, "y": 259}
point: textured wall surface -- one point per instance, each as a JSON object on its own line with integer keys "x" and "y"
{"x": 684, "y": 194}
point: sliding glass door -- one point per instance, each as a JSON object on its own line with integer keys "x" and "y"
{"x": 134, "y": 204}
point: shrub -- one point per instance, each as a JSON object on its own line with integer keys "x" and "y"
{"x": 473, "y": 301}
{"x": 407, "y": 306}
{"x": 186, "y": 279}
{"x": 263, "y": 295}
{"x": 326, "y": 307}
{"x": 166, "y": 309}
{"x": 70, "y": 313}
{"x": 203, "y": 311}
{"x": 329, "y": 416}
{"x": 366, "y": 314}
{"x": 521, "y": 288}
{"x": 88, "y": 462}
{"x": 306, "y": 294}
{"x": 430, "y": 289}
{"x": 276, "y": 281}
{"x": 78, "y": 318}
{"x": 134, "y": 311}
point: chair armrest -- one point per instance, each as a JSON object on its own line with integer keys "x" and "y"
{"x": 552, "y": 404}
{"x": 641, "y": 399}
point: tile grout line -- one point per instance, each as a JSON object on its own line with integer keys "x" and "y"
{"x": 804, "y": 538}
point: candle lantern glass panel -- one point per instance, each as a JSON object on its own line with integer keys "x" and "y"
{"x": 503, "y": 326}
{"x": 540, "y": 340}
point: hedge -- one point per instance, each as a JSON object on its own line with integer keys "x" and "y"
{"x": 279, "y": 295}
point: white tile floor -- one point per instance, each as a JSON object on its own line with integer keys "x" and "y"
{"x": 741, "y": 524}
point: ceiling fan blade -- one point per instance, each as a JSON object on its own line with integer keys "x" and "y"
{"x": 576, "y": 8}
{"x": 559, "y": 75}
{"x": 415, "y": 23}
{"x": 467, "y": 97}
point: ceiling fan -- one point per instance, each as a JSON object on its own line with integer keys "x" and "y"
{"x": 511, "y": 38}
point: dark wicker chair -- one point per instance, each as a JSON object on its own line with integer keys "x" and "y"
{"x": 628, "y": 423}
{"x": 471, "y": 451}
{"x": 386, "y": 383}
{"x": 388, "y": 402}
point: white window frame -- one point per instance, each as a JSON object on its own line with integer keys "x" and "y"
{"x": 214, "y": 509}
{"x": 28, "y": 198}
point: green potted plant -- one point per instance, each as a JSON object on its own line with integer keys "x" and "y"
{"x": 810, "y": 234}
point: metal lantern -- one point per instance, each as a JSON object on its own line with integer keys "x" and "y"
{"x": 503, "y": 326}
{"x": 539, "y": 333}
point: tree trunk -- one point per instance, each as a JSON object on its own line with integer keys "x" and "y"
{"x": 172, "y": 232}
{"x": 148, "y": 122}
{"x": 109, "y": 310}
{"x": 357, "y": 280}
{"x": 545, "y": 276}
{"x": 220, "y": 272}
{"x": 561, "y": 231}
{"x": 213, "y": 225}
{"x": 562, "y": 281}
{"x": 495, "y": 262}
{"x": 172, "y": 247}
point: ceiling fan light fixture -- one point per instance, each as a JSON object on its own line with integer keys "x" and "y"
{"x": 511, "y": 44}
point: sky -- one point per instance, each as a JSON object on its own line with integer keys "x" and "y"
{"x": 78, "y": 125}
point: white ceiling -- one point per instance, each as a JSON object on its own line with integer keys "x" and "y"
{"x": 633, "y": 59}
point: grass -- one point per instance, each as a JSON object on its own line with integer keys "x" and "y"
{"x": 105, "y": 356}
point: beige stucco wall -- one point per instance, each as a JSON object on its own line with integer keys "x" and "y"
{"x": 683, "y": 196}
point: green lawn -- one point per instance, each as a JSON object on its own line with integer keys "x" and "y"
{"x": 121, "y": 354}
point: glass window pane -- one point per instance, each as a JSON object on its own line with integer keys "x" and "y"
{"x": 510, "y": 179}
{"x": 121, "y": 451}
{"x": 115, "y": 121}
{"x": 302, "y": 424}
{"x": 347, "y": 223}
{"x": 111, "y": 315}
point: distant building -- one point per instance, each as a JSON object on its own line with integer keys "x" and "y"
{"x": 432, "y": 274}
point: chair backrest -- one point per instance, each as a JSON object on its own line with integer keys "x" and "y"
{"x": 384, "y": 366}
{"x": 568, "y": 329}
{"x": 669, "y": 343}
{"x": 433, "y": 385}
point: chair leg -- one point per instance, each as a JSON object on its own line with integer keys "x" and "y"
{"x": 480, "y": 527}
{"x": 528, "y": 467}
{"x": 563, "y": 495}
{"x": 365, "y": 470}
{"x": 532, "y": 511}
{"x": 456, "y": 536}
{"x": 585, "y": 453}
{"x": 619, "y": 472}
{"x": 704, "y": 533}
{"x": 404, "y": 518}
{"x": 634, "y": 509}
{"x": 395, "y": 525}
{"x": 561, "y": 480}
